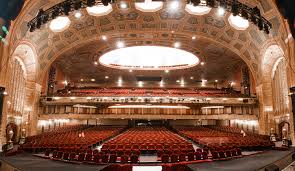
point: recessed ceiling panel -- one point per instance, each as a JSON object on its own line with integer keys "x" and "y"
{"x": 149, "y": 58}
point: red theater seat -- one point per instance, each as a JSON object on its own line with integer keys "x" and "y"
{"x": 134, "y": 159}
{"x": 165, "y": 158}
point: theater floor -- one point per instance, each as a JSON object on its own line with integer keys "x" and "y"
{"x": 27, "y": 162}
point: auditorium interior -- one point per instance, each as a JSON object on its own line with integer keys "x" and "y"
{"x": 80, "y": 90}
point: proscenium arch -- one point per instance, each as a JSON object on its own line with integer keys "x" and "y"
{"x": 204, "y": 23}
{"x": 135, "y": 42}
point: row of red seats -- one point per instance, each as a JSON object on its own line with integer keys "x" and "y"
{"x": 144, "y": 91}
{"x": 147, "y": 139}
{"x": 82, "y": 138}
{"x": 213, "y": 138}
{"x": 93, "y": 158}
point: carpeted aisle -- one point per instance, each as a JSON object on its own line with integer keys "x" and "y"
{"x": 248, "y": 163}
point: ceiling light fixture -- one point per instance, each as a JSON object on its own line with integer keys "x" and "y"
{"x": 174, "y": 5}
{"x": 104, "y": 37}
{"x": 99, "y": 10}
{"x": 202, "y": 63}
{"x": 130, "y": 70}
{"x": 166, "y": 71}
{"x": 194, "y": 38}
{"x": 95, "y": 63}
{"x": 149, "y": 6}
{"x": 78, "y": 14}
{"x": 237, "y": 22}
{"x": 106, "y": 77}
{"x": 177, "y": 44}
{"x": 120, "y": 44}
{"x": 140, "y": 84}
{"x": 92, "y": 80}
{"x": 220, "y": 11}
{"x": 59, "y": 24}
{"x": 123, "y": 5}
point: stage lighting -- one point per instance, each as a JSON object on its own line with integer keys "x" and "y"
{"x": 106, "y": 2}
{"x": 90, "y": 3}
{"x": 210, "y": 3}
{"x": 55, "y": 13}
{"x": 39, "y": 22}
{"x": 266, "y": 29}
{"x": 235, "y": 8}
{"x": 260, "y": 24}
{"x": 253, "y": 19}
{"x": 45, "y": 18}
{"x": 222, "y": 3}
{"x": 244, "y": 14}
{"x": 32, "y": 27}
{"x": 77, "y": 5}
{"x": 66, "y": 8}
{"x": 194, "y": 2}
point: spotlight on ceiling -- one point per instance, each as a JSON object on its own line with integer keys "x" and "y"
{"x": 210, "y": 3}
{"x": 104, "y": 37}
{"x": 92, "y": 80}
{"x": 173, "y": 5}
{"x": 120, "y": 44}
{"x": 194, "y": 2}
{"x": 106, "y": 2}
{"x": 106, "y": 77}
{"x": 67, "y": 8}
{"x": 166, "y": 71}
{"x": 202, "y": 63}
{"x": 235, "y": 8}
{"x": 220, "y": 11}
{"x": 177, "y": 44}
{"x": 78, "y": 14}
{"x": 216, "y": 81}
{"x": 95, "y": 63}
{"x": 194, "y": 38}
{"x": 130, "y": 70}
{"x": 140, "y": 84}
{"x": 123, "y": 5}
{"x": 90, "y": 3}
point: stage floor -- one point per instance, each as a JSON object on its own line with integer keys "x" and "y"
{"x": 247, "y": 163}
{"x": 27, "y": 162}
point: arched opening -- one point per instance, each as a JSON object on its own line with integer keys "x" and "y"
{"x": 273, "y": 88}
{"x": 22, "y": 85}
{"x": 284, "y": 130}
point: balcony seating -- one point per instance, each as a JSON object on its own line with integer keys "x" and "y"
{"x": 129, "y": 92}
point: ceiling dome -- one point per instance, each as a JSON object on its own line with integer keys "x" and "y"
{"x": 149, "y": 58}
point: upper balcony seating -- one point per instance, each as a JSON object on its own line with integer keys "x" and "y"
{"x": 128, "y": 92}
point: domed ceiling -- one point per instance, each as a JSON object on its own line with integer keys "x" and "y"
{"x": 219, "y": 45}
{"x": 219, "y": 64}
